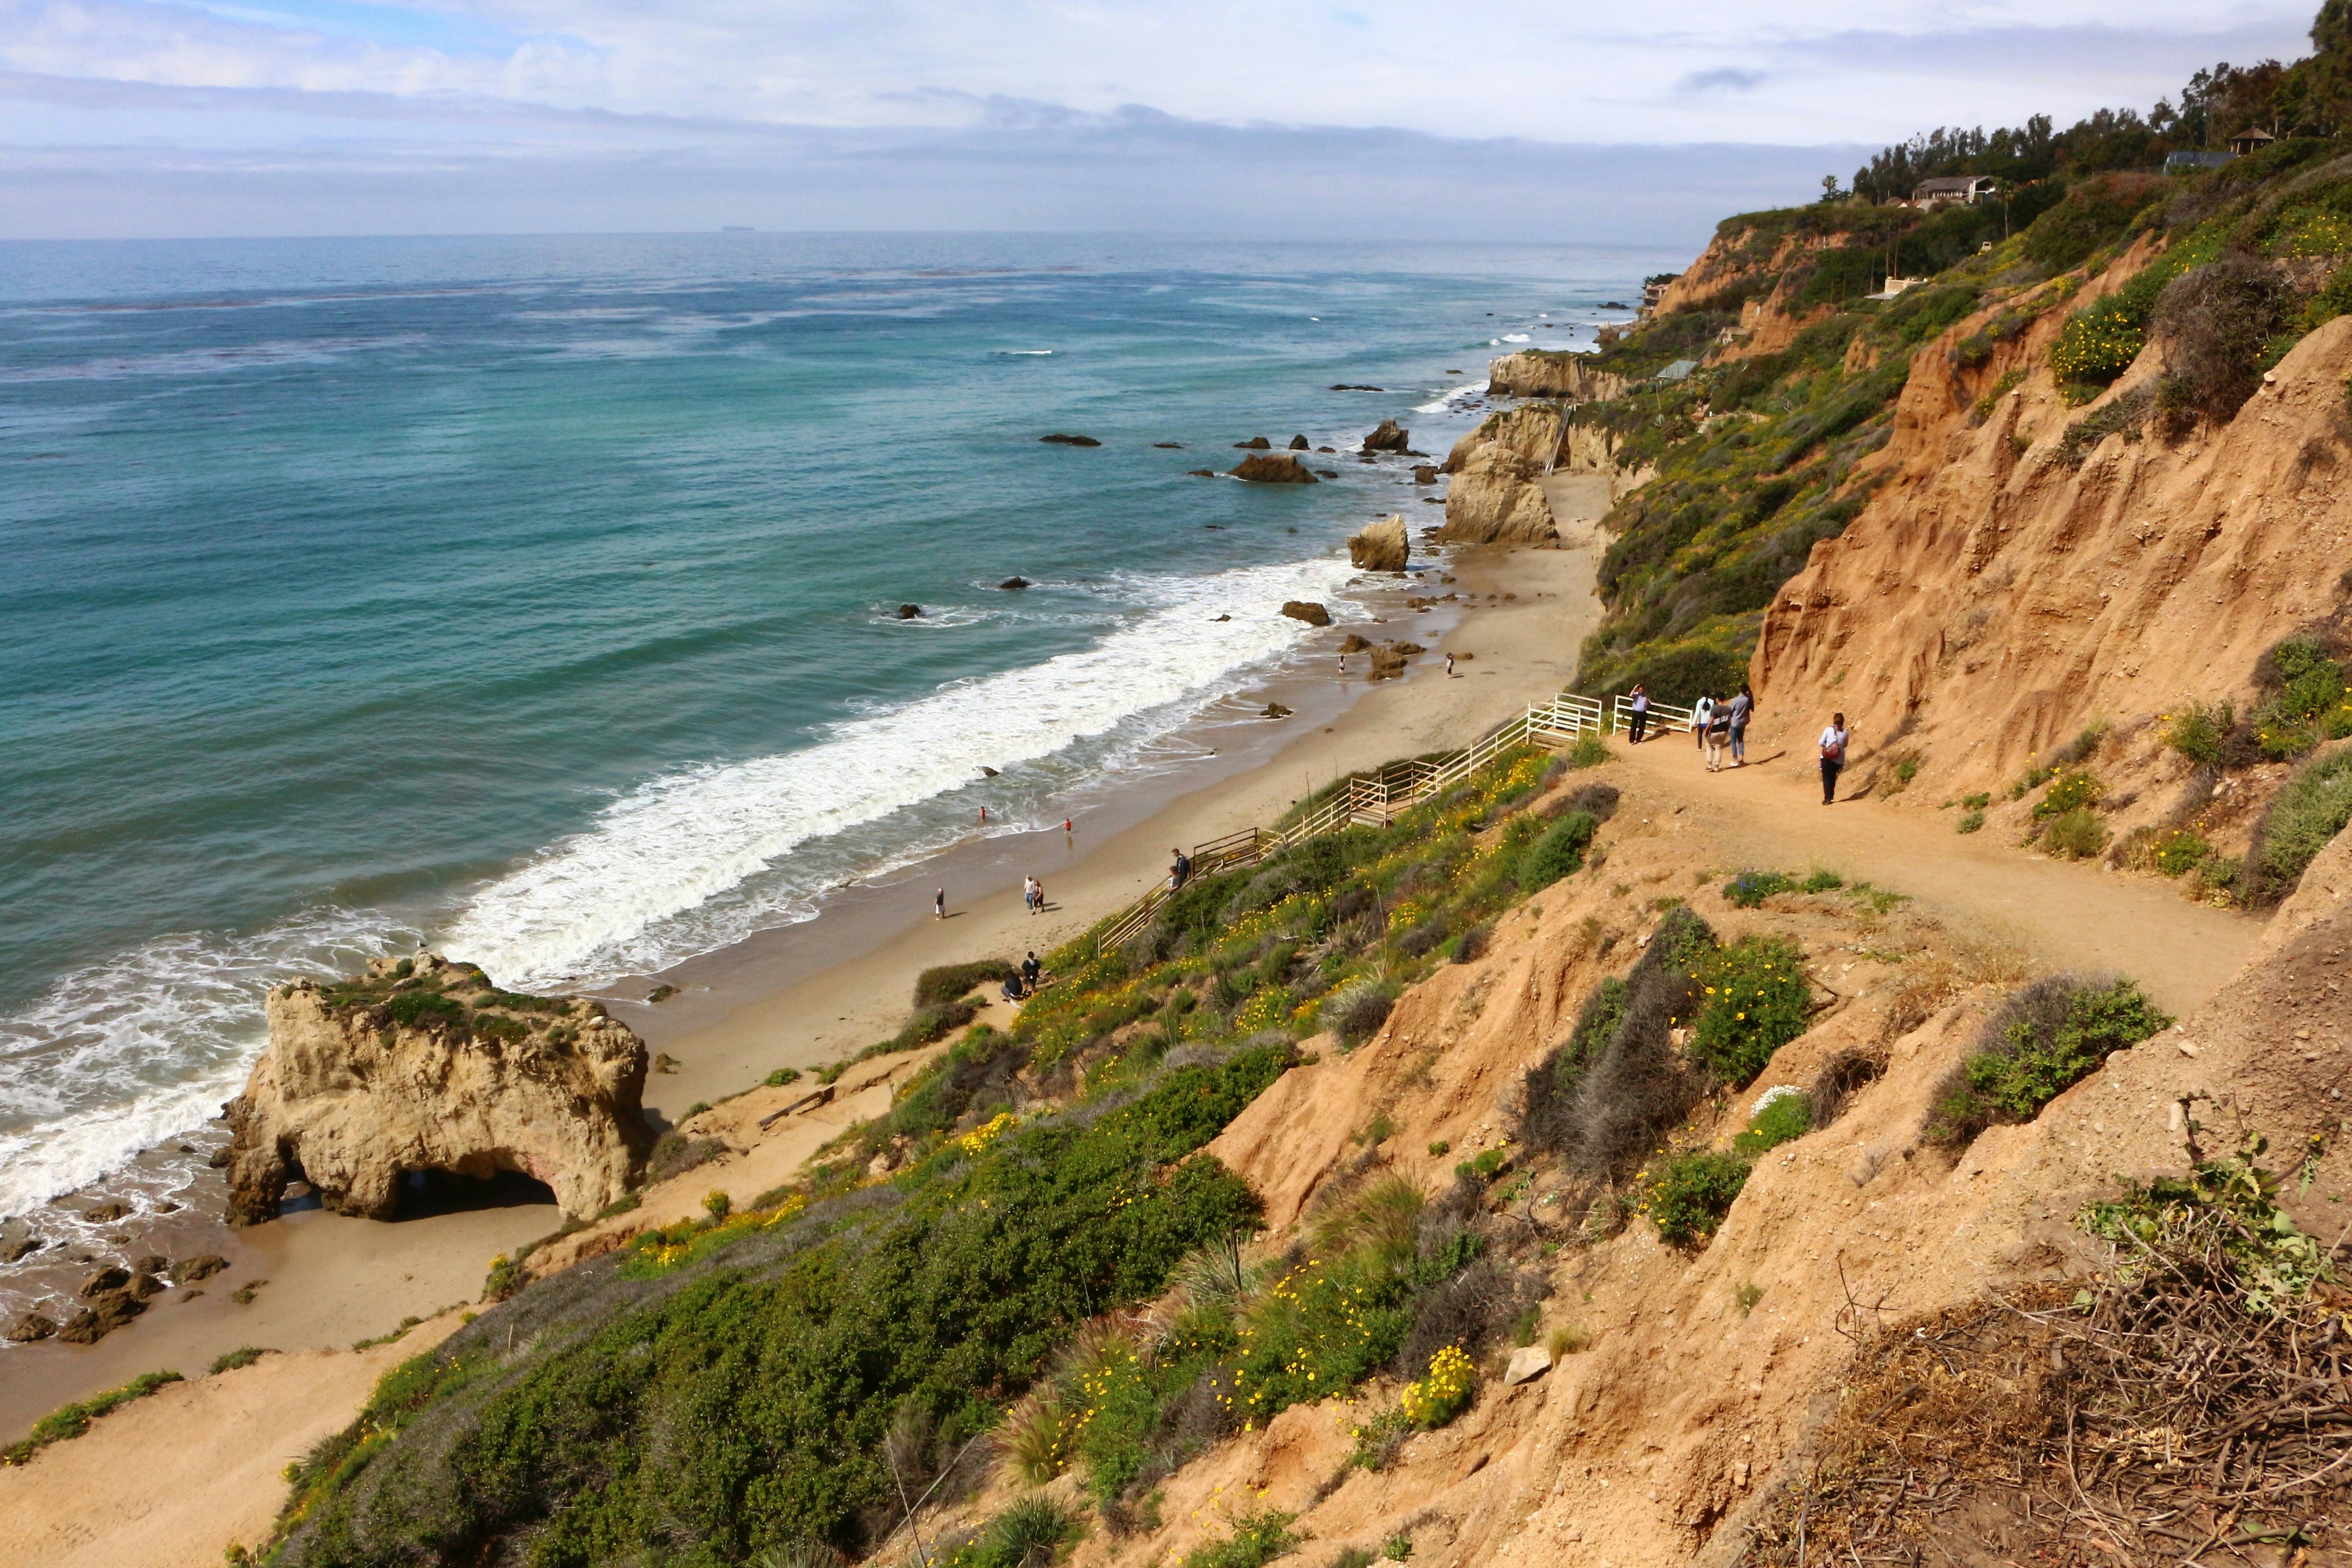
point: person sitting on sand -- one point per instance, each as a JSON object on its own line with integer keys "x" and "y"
{"x": 1013, "y": 989}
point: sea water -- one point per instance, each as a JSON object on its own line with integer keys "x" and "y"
{"x": 538, "y": 598}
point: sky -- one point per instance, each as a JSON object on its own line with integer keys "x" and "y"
{"x": 1561, "y": 123}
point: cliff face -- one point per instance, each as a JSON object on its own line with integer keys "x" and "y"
{"x": 1495, "y": 497}
{"x": 1549, "y": 372}
{"x": 2007, "y": 587}
{"x": 423, "y": 1065}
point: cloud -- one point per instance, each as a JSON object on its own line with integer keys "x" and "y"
{"x": 1723, "y": 79}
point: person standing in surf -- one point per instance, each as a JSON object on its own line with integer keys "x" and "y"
{"x": 939, "y": 905}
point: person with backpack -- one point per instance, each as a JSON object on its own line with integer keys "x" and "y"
{"x": 1640, "y": 703}
{"x": 1833, "y": 744}
{"x": 1702, "y": 714}
{"x": 1743, "y": 709}
{"x": 1719, "y": 730}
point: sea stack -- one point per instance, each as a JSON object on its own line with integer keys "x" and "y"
{"x": 423, "y": 1065}
{"x": 1280, "y": 469}
{"x": 1383, "y": 547}
{"x": 1389, "y": 437}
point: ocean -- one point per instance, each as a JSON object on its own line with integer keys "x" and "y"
{"x": 538, "y": 597}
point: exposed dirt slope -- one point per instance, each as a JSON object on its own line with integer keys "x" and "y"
{"x": 174, "y": 1479}
{"x": 1993, "y": 599}
{"x": 1707, "y": 1370}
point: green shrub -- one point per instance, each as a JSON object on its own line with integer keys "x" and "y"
{"x": 2178, "y": 852}
{"x": 425, "y": 1010}
{"x": 948, "y": 982}
{"x": 1783, "y": 1116}
{"x": 2311, "y": 808}
{"x": 1823, "y": 882}
{"x": 1969, "y": 822}
{"x": 1756, "y": 999}
{"x": 2098, "y": 343}
{"x": 70, "y": 1421}
{"x": 1748, "y": 890}
{"x": 1558, "y": 852}
{"x": 1397, "y": 1548}
{"x": 1378, "y": 1443}
{"x": 1689, "y": 1195}
{"x": 2197, "y": 729}
{"x": 1977, "y": 801}
{"x": 1258, "y": 1538}
{"x": 2070, "y": 792}
{"x": 1032, "y": 1533}
{"x": 781, "y": 1076}
{"x": 244, "y": 1355}
{"x": 1485, "y": 1167}
{"x": 1590, "y": 750}
{"x": 2045, "y": 1038}
{"x": 2076, "y": 835}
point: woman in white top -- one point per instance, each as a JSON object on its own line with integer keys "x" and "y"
{"x": 1701, "y": 711}
{"x": 1833, "y": 744}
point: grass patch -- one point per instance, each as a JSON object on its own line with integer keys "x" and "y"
{"x": 244, "y": 1355}
{"x": 70, "y": 1421}
{"x": 1783, "y": 1116}
{"x": 2310, "y": 809}
{"x": 1257, "y": 1540}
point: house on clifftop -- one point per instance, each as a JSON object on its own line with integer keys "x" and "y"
{"x": 1968, "y": 188}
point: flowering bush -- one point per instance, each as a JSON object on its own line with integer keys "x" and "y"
{"x": 988, "y": 1132}
{"x": 1443, "y": 1395}
{"x": 1689, "y": 1198}
{"x": 2098, "y": 343}
{"x": 1755, "y": 1002}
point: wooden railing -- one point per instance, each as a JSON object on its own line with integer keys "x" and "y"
{"x": 1374, "y": 799}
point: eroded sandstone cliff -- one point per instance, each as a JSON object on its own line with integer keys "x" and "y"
{"x": 423, "y": 1065}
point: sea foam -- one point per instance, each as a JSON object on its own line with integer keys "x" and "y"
{"x": 582, "y": 912}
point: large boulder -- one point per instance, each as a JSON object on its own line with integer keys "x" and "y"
{"x": 1383, "y": 547}
{"x": 1389, "y": 437}
{"x": 423, "y": 1065}
{"x": 1308, "y": 610}
{"x": 1281, "y": 469}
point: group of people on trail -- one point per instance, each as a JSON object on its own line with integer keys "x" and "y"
{"x": 1720, "y": 725}
{"x": 1032, "y": 894}
{"x": 1180, "y": 871}
{"x": 1023, "y": 982}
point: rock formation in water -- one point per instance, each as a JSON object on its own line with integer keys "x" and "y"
{"x": 1284, "y": 469}
{"x": 1306, "y": 610}
{"x": 423, "y": 1065}
{"x": 1383, "y": 547}
{"x": 1389, "y": 437}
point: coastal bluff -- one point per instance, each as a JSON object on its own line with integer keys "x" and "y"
{"x": 423, "y": 1065}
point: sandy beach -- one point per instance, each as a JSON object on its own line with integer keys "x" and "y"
{"x": 805, "y": 994}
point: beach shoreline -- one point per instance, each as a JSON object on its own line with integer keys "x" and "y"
{"x": 805, "y": 995}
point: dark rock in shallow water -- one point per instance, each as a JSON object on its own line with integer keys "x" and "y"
{"x": 1351, "y": 643}
{"x": 30, "y": 1326}
{"x": 1060, "y": 440}
{"x": 1274, "y": 710}
{"x": 1255, "y": 444}
{"x": 106, "y": 1213}
{"x": 1298, "y": 444}
{"x": 1424, "y": 473}
{"x": 1328, "y": 473}
{"x": 153, "y": 1263}
{"x": 1344, "y": 386}
{"x": 21, "y": 1250}
{"x": 1308, "y": 610}
{"x": 110, "y": 1278}
{"x": 909, "y": 612}
{"x": 1389, "y": 437}
{"x": 101, "y": 1317}
{"x": 1014, "y": 584}
{"x": 1202, "y": 473}
{"x": 143, "y": 1284}
{"x": 1170, "y": 445}
{"x": 1264, "y": 470}
{"x": 189, "y": 1270}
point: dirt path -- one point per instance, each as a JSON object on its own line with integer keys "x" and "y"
{"x": 2068, "y": 915}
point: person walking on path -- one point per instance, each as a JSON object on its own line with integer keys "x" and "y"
{"x": 1030, "y": 971}
{"x": 1702, "y": 711}
{"x": 1719, "y": 730}
{"x": 1743, "y": 709}
{"x": 1179, "y": 869}
{"x": 1449, "y": 667}
{"x": 1833, "y": 744}
{"x": 1641, "y": 696}
{"x": 1032, "y": 895}
{"x": 939, "y": 905}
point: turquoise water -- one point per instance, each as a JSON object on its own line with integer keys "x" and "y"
{"x": 536, "y": 597}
